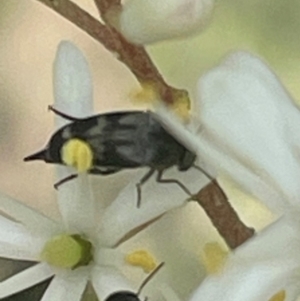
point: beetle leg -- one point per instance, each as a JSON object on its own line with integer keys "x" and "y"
{"x": 204, "y": 172}
{"x": 144, "y": 179}
{"x": 63, "y": 115}
{"x": 64, "y": 180}
{"x": 171, "y": 181}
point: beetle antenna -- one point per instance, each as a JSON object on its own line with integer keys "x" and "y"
{"x": 63, "y": 115}
{"x": 149, "y": 277}
{"x": 143, "y": 180}
{"x": 204, "y": 172}
{"x": 171, "y": 181}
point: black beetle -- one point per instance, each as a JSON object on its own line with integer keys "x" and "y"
{"x": 121, "y": 140}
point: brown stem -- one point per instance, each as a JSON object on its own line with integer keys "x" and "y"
{"x": 211, "y": 197}
{"x": 105, "y": 6}
{"x": 136, "y": 57}
{"x": 133, "y": 56}
{"x": 215, "y": 203}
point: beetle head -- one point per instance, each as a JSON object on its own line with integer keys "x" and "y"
{"x": 52, "y": 152}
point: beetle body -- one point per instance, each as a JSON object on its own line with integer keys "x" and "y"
{"x": 117, "y": 141}
{"x": 120, "y": 140}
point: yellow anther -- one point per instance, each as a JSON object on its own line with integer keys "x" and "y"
{"x": 78, "y": 154}
{"x": 280, "y": 296}
{"x": 149, "y": 95}
{"x": 143, "y": 259}
{"x": 182, "y": 108}
{"x": 146, "y": 95}
{"x": 213, "y": 257}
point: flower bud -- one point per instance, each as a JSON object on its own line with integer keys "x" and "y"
{"x": 149, "y": 21}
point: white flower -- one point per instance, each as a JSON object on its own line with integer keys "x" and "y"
{"x": 266, "y": 265}
{"x": 89, "y": 237}
{"x": 254, "y": 124}
{"x": 251, "y": 126}
{"x": 148, "y": 21}
{"x": 247, "y": 129}
{"x": 250, "y": 131}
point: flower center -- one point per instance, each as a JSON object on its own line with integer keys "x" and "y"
{"x": 67, "y": 251}
{"x": 143, "y": 259}
{"x": 78, "y": 154}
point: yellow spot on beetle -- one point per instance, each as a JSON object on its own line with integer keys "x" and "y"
{"x": 143, "y": 259}
{"x": 78, "y": 154}
{"x": 213, "y": 257}
{"x": 280, "y": 296}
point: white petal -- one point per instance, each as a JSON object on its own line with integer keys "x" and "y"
{"x": 33, "y": 220}
{"x": 73, "y": 91}
{"x": 25, "y": 279}
{"x": 248, "y": 115}
{"x": 74, "y": 96}
{"x": 168, "y": 293}
{"x": 148, "y": 21}
{"x": 260, "y": 268}
{"x": 67, "y": 287}
{"x": 180, "y": 254}
{"x": 292, "y": 293}
{"x": 123, "y": 215}
{"x": 206, "y": 150}
{"x": 107, "y": 280}
{"x": 108, "y": 257}
{"x": 76, "y": 204}
{"x": 249, "y": 129}
{"x": 13, "y": 252}
{"x": 177, "y": 239}
{"x": 220, "y": 160}
{"x": 17, "y": 242}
